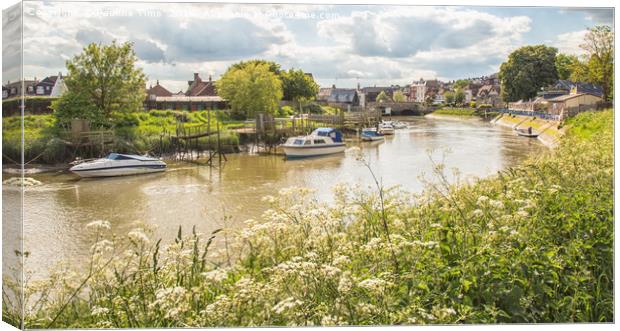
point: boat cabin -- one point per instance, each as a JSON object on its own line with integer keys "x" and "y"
{"x": 334, "y": 134}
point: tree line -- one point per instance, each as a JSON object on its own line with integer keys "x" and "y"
{"x": 531, "y": 68}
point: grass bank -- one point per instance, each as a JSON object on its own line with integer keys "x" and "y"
{"x": 462, "y": 112}
{"x": 531, "y": 244}
{"x": 45, "y": 142}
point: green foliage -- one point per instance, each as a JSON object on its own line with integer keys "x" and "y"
{"x": 399, "y": 96}
{"x": 286, "y": 111}
{"x": 459, "y": 96}
{"x": 330, "y": 110}
{"x": 251, "y": 88}
{"x": 103, "y": 79}
{"x": 273, "y": 67}
{"x": 588, "y": 125}
{"x": 599, "y": 43}
{"x": 461, "y": 84}
{"x": 533, "y": 244}
{"x": 449, "y": 97}
{"x": 297, "y": 86}
{"x": 565, "y": 65}
{"x": 527, "y": 70}
{"x": 383, "y": 97}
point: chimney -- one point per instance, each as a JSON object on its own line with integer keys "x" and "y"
{"x": 209, "y": 78}
{"x": 59, "y": 74}
{"x": 333, "y": 85}
{"x": 196, "y": 77}
{"x": 157, "y": 82}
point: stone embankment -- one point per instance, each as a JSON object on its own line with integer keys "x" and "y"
{"x": 549, "y": 131}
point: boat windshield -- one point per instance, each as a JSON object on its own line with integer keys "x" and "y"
{"x": 298, "y": 142}
{"x": 114, "y": 156}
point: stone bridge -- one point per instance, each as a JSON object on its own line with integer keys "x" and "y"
{"x": 401, "y": 108}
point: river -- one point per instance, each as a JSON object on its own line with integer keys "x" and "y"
{"x": 57, "y": 211}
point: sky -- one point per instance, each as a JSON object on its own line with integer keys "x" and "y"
{"x": 339, "y": 44}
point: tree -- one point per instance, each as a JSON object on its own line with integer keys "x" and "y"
{"x": 449, "y": 97}
{"x": 565, "y": 64}
{"x": 383, "y": 97}
{"x": 527, "y": 70}
{"x": 459, "y": 96}
{"x": 461, "y": 83}
{"x": 298, "y": 87}
{"x": 251, "y": 88}
{"x": 579, "y": 71}
{"x": 399, "y": 97}
{"x": 102, "y": 79}
{"x": 599, "y": 43}
{"x": 273, "y": 67}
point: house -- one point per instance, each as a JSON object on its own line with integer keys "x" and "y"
{"x": 489, "y": 94}
{"x": 5, "y": 92}
{"x": 343, "y": 96}
{"x": 573, "y": 103}
{"x": 569, "y": 87}
{"x": 198, "y": 87}
{"x": 52, "y": 86}
{"x": 15, "y": 89}
{"x": 422, "y": 90}
{"x": 200, "y": 95}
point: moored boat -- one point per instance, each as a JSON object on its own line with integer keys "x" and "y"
{"x": 527, "y": 132}
{"x": 322, "y": 141}
{"x": 371, "y": 134}
{"x": 386, "y": 128}
{"x": 118, "y": 165}
{"x": 399, "y": 125}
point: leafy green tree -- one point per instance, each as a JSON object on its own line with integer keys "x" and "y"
{"x": 449, "y": 97}
{"x": 251, "y": 88}
{"x": 579, "y": 71}
{"x": 103, "y": 79}
{"x": 399, "y": 97}
{"x": 599, "y": 43}
{"x": 461, "y": 84}
{"x": 383, "y": 97}
{"x": 459, "y": 96}
{"x": 565, "y": 64}
{"x": 527, "y": 70}
{"x": 273, "y": 67}
{"x": 298, "y": 87}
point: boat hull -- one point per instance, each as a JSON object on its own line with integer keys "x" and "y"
{"x": 119, "y": 171}
{"x": 302, "y": 151}
{"x": 372, "y": 138}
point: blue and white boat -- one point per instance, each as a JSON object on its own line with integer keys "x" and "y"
{"x": 118, "y": 165}
{"x": 322, "y": 141}
{"x": 371, "y": 134}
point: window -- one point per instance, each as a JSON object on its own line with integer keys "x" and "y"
{"x": 29, "y": 89}
{"x": 298, "y": 142}
{"x": 319, "y": 141}
{"x": 307, "y": 142}
{"x": 40, "y": 90}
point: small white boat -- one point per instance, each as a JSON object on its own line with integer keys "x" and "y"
{"x": 399, "y": 125}
{"x": 322, "y": 141}
{"x": 386, "y": 128}
{"x": 371, "y": 134}
{"x": 119, "y": 165}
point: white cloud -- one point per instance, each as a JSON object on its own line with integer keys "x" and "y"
{"x": 569, "y": 42}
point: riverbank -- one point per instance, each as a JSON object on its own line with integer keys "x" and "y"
{"x": 550, "y": 132}
{"x": 533, "y": 244}
{"x": 464, "y": 112}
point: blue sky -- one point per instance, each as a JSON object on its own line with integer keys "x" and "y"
{"x": 342, "y": 45}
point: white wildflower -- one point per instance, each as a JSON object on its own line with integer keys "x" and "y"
{"x": 286, "y": 304}
{"x": 98, "y": 225}
{"x": 138, "y": 236}
{"x": 482, "y": 199}
{"x": 217, "y": 275}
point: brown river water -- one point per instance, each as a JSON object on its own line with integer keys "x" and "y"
{"x": 57, "y": 211}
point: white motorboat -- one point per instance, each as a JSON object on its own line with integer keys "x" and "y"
{"x": 399, "y": 125}
{"x": 322, "y": 141}
{"x": 386, "y": 128}
{"x": 371, "y": 134}
{"x": 118, "y": 165}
